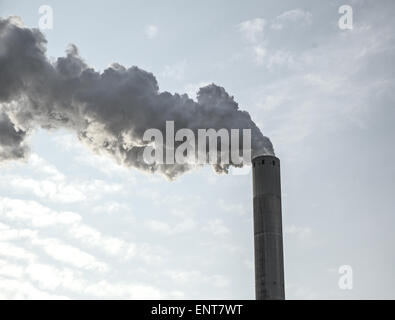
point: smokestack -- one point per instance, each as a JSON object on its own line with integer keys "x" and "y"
{"x": 268, "y": 235}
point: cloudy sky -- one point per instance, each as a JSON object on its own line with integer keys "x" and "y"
{"x": 74, "y": 224}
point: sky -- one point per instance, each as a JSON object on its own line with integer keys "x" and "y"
{"x": 75, "y": 224}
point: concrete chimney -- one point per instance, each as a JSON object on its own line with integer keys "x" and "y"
{"x": 268, "y": 234}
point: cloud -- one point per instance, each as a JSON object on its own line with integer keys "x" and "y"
{"x": 52, "y": 185}
{"x": 37, "y": 265}
{"x": 22, "y": 290}
{"x": 34, "y": 213}
{"x": 51, "y": 278}
{"x": 299, "y": 232}
{"x": 336, "y": 95}
{"x": 260, "y": 54}
{"x": 281, "y": 58}
{"x": 39, "y": 281}
{"x": 216, "y": 227}
{"x": 188, "y": 278}
{"x": 175, "y": 71}
{"x": 70, "y": 225}
{"x": 186, "y": 225}
{"x": 235, "y": 208}
{"x": 94, "y": 238}
{"x": 70, "y": 255}
{"x": 151, "y": 31}
{"x": 192, "y": 89}
{"x": 253, "y": 30}
{"x": 295, "y": 16}
{"x": 10, "y": 270}
{"x": 12, "y": 251}
{"x": 259, "y": 41}
{"x": 83, "y": 156}
{"x": 7, "y": 233}
{"x": 112, "y": 208}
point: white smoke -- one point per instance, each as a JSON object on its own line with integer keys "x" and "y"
{"x": 109, "y": 111}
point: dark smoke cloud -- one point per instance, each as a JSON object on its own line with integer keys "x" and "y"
{"x": 110, "y": 111}
{"x": 11, "y": 140}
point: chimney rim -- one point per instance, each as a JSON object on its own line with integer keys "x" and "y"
{"x": 265, "y": 157}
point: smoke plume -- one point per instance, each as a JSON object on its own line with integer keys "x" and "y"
{"x": 109, "y": 111}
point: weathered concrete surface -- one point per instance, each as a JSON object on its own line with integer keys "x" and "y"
{"x": 268, "y": 236}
